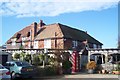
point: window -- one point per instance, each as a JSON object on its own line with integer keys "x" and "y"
{"x": 28, "y": 34}
{"x": 13, "y": 42}
{"x": 47, "y": 43}
{"x": 74, "y": 44}
{"x": 94, "y": 46}
{"x": 23, "y": 43}
{"x": 36, "y": 44}
{"x": 99, "y": 46}
{"x": 24, "y": 38}
{"x": 29, "y": 45}
{"x": 18, "y": 35}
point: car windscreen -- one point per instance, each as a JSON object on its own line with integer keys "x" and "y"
{"x": 22, "y": 64}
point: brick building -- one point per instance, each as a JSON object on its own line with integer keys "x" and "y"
{"x": 51, "y": 36}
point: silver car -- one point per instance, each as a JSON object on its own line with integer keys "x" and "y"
{"x": 4, "y": 73}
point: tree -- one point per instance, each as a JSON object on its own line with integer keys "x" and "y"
{"x": 17, "y": 56}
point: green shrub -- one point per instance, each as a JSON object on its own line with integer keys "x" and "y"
{"x": 117, "y": 68}
{"x": 28, "y": 57}
{"x": 66, "y": 64}
{"x": 17, "y": 56}
{"x": 22, "y": 56}
{"x": 36, "y": 60}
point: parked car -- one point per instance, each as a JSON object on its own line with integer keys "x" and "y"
{"x": 20, "y": 69}
{"x": 4, "y": 73}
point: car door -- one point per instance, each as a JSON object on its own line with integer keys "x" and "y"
{"x": 9, "y": 66}
{"x": 12, "y": 65}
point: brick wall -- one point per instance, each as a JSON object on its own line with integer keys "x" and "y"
{"x": 68, "y": 44}
{"x": 41, "y": 44}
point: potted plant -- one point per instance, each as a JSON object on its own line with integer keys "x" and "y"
{"x": 116, "y": 70}
{"x": 91, "y": 66}
{"x": 66, "y": 66}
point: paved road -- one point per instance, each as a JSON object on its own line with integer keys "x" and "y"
{"x": 80, "y": 77}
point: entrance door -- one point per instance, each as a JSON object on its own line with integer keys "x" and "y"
{"x": 4, "y": 59}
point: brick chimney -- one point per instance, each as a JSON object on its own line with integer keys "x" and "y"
{"x": 35, "y": 29}
{"x": 41, "y": 23}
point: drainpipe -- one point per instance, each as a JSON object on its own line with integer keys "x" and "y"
{"x": 30, "y": 39}
{"x": 45, "y": 52}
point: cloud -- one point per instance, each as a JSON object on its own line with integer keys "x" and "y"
{"x": 29, "y": 8}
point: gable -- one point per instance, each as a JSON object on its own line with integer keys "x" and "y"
{"x": 50, "y": 31}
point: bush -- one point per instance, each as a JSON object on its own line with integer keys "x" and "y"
{"x": 36, "y": 60}
{"x": 28, "y": 58}
{"x": 22, "y": 56}
{"x": 17, "y": 56}
{"x": 117, "y": 67}
{"x": 66, "y": 64}
{"x": 66, "y": 67}
{"x": 51, "y": 60}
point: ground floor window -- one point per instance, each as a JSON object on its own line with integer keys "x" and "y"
{"x": 47, "y": 43}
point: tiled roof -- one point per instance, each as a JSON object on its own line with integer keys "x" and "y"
{"x": 48, "y": 31}
{"x": 56, "y": 30}
{"x": 23, "y": 32}
{"x": 76, "y": 34}
{"x": 66, "y": 32}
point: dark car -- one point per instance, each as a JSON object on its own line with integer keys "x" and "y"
{"x": 20, "y": 69}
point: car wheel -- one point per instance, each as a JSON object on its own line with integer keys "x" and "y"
{"x": 13, "y": 75}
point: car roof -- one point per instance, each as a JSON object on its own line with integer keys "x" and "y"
{"x": 16, "y": 61}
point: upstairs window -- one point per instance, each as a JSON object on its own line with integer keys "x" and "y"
{"x": 74, "y": 44}
{"x": 28, "y": 34}
{"x": 13, "y": 41}
{"x": 18, "y": 35}
{"x": 24, "y": 38}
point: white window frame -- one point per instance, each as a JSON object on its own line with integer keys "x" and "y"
{"x": 36, "y": 44}
{"x": 24, "y": 38}
{"x": 23, "y": 43}
{"x": 74, "y": 43}
{"x": 29, "y": 44}
{"x": 13, "y": 41}
{"x": 47, "y": 43}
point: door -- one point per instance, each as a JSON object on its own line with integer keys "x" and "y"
{"x": 4, "y": 59}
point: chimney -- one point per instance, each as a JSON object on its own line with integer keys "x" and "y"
{"x": 41, "y": 23}
{"x": 35, "y": 29}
